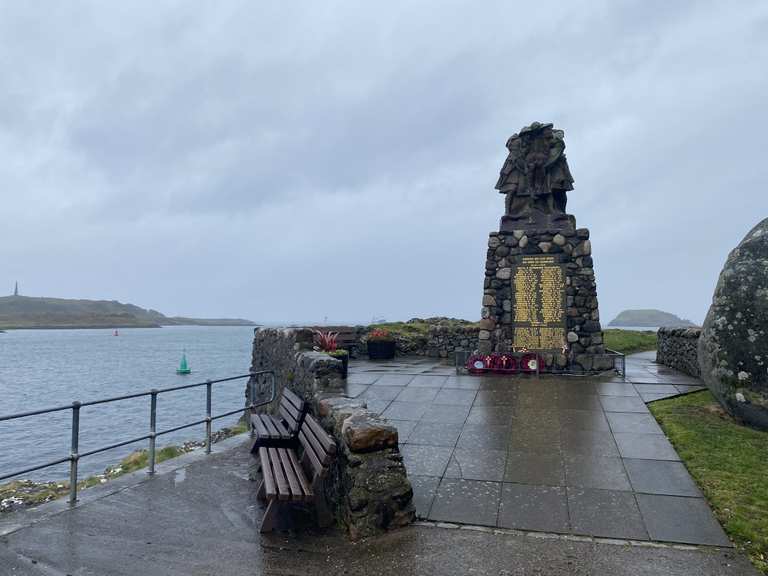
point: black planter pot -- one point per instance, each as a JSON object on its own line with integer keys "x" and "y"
{"x": 344, "y": 365}
{"x": 381, "y": 350}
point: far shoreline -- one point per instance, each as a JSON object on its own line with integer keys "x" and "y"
{"x": 121, "y": 327}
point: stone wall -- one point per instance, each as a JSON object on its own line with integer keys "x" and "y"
{"x": 440, "y": 342}
{"x": 678, "y": 349}
{"x": 444, "y": 341}
{"x": 367, "y": 489}
{"x": 583, "y": 331}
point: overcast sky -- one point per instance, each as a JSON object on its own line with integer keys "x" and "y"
{"x": 296, "y": 161}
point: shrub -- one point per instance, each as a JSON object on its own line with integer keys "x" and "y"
{"x": 325, "y": 341}
{"x": 380, "y": 335}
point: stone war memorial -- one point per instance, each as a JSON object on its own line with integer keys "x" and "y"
{"x": 539, "y": 292}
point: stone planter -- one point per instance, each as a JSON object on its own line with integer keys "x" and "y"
{"x": 381, "y": 349}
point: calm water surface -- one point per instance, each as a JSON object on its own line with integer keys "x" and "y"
{"x": 47, "y": 368}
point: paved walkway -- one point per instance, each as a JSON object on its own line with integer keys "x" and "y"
{"x": 554, "y": 454}
{"x": 200, "y": 516}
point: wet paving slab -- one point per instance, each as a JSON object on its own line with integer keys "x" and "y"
{"x": 581, "y": 456}
{"x": 199, "y": 515}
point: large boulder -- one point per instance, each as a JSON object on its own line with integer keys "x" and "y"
{"x": 733, "y": 347}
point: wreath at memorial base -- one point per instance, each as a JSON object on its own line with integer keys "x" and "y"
{"x": 505, "y": 363}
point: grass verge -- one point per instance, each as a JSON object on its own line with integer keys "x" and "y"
{"x": 728, "y": 461}
{"x": 630, "y": 341}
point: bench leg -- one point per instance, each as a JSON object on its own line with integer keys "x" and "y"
{"x": 322, "y": 512}
{"x": 261, "y": 491}
{"x": 270, "y": 516}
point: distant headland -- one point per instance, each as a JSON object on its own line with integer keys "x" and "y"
{"x": 18, "y": 312}
{"x": 650, "y": 319}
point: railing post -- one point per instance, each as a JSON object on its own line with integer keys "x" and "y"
{"x": 249, "y": 407}
{"x": 152, "y": 429}
{"x": 208, "y": 394}
{"x": 73, "y": 455}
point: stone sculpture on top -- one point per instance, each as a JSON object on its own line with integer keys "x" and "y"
{"x": 535, "y": 179}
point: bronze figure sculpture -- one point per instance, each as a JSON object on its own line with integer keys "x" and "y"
{"x": 535, "y": 179}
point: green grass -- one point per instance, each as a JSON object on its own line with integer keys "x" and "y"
{"x": 630, "y": 341}
{"x": 728, "y": 461}
{"x": 140, "y": 458}
{"x": 420, "y": 327}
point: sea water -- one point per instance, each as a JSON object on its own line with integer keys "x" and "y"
{"x": 48, "y": 368}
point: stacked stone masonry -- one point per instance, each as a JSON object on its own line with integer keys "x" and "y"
{"x": 440, "y": 342}
{"x": 573, "y": 249}
{"x": 445, "y": 341}
{"x": 678, "y": 349}
{"x": 367, "y": 488}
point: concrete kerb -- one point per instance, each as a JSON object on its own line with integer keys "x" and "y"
{"x": 566, "y": 537}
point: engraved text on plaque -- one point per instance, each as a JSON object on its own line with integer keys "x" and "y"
{"x": 538, "y": 285}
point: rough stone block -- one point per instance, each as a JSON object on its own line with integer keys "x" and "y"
{"x": 363, "y": 431}
{"x": 489, "y": 300}
{"x": 585, "y": 361}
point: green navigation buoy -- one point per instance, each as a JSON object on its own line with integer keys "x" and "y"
{"x": 183, "y": 368}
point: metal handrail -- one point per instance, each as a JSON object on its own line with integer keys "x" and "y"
{"x": 623, "y": 361}
{"x": 75, "y": 455}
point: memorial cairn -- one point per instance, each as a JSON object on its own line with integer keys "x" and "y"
{"x": 540, "y": 298}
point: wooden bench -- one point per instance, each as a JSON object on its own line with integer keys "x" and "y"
{"x": 295, "y": 476}
{"x": 282, "y": 430}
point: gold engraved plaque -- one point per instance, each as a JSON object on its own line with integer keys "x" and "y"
{"x": 538, "y": 285}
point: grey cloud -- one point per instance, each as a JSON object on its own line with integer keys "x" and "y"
{"x": 291, "y": 149}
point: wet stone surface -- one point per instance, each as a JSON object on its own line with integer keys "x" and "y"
{"x": 577, "y": 456}
{"x": 200, "y": 515}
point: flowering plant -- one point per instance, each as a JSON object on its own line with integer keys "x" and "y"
{"x": 325, "y": 341}
{"x": 380, "y": 335}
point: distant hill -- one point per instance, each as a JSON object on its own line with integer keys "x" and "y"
{"x": 649, "y": 318}
{"x": 32, "y": 312}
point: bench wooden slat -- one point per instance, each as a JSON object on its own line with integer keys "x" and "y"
{"x": 283, "y": 489}
{"x": 294, "y": 399}
{"x": 258, "y": 425}
{"x": 291, "y": 475}
{"x": 269, "y": 424}
{"x": 309, "y": 452}
{"x": 300, "y": 474}
{"x": 269, "y": 479}
{"x": 292, "y": 420}
{"x": 324, "y": 438}
{"x": 274, "y": 432}
{"x": 317, "y": 447}
{"x": 295, "y": 412}
{"x": 282, "y": 428}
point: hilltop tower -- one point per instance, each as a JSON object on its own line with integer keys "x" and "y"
{"x": 16, "y": 289}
